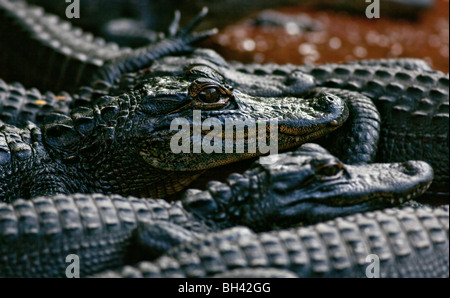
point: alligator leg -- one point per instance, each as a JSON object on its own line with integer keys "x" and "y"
{"x": 177, "y": 42}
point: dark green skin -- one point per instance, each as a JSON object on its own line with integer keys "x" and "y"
{"x": 372, "y": 78}
{"x": 113, "y": 144}
{"x": 43, "y": 51}
{"x": 121, "y": 144}
{"x": 107, "y": 232}
{"x": 117, "y": 141}
{"x": 413, "y": 102}
{"x": 306, "y": 186}
{"x": 337, "y": 248}
{"x": 358, "y": 141}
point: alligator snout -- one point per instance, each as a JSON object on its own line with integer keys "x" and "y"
{"x": 415, "y": 168}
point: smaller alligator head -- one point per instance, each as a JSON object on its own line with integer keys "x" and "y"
{"x": 307, "y": 186}
{"x": 135, "y": 143}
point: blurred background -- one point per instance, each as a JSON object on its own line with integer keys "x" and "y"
{"x": 325, "y": 34}
{"x": 284, "y": 31}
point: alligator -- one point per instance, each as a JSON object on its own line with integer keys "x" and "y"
{"x": 424, "y": 99}
{"x": 404, "y": 242}
{"x": 399, "y": 110}
{"x": 413, "y": 102}
{"x": 122, "y": 144}
{"x": 116, "y": 141}
{"x": 398, "y": 88}
{"x": 101, "y": 147}
{"x": 43, "y": 51}
{"x": 303, "y": 186}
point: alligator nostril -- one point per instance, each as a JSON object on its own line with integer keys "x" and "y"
{"x": 413, "y": 168}
{"x": 330, "y": 98}
{"x": 324, "y": 100}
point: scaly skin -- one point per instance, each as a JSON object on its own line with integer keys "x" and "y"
{"x": 412, "y": 100}
{"x": 19, "y": 105}
{"x": 359, "y": 135}
{"x": 45, "y": 52}
{"x": 121, "y": 144}
{"x": 112, "y": 231}
{"x": 118, "y": 140}
{"x": 84, "y": 151}
{"x": 306, "y": 186}
{"x": 37, "y": 235}
{"x": 408, "y": 242}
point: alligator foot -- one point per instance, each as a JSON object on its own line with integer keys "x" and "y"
{"x": 177, "y": 41}
{"x": 155, "y": 238}
{"x": 132, "y": 33}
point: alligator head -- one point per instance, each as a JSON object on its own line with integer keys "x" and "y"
{"x": 148, "y": 137}
{"x": 307, "y": 186}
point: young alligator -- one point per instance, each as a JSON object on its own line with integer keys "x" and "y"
{"x": 412, "y": 99}
{"x": 122, "y": 144}
{"x": 407, "y": 242}
{"x": 105, "y": 232}
{"x": 415, "y": 117}
{"x": 359, "y": 138}
{"x": 58, "y": 154}
{"x": 398, "y": 107}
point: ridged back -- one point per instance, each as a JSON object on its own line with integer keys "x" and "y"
{"x": 40, "y": 50}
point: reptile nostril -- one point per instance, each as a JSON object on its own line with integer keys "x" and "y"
{"x": 413, "y": 168}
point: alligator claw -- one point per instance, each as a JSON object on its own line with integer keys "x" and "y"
{"x": 156, "y": 238}
{"x": 195, "y": 21}
{"x": 186, "y": 34}
{"x": 173, "y": 28}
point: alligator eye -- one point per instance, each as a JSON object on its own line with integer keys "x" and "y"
{"x": 330, "y": 171}
{"x": 209, "y": 95}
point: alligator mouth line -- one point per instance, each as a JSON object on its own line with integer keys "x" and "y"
{"x": 373, "y": 199}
